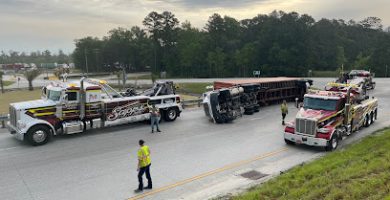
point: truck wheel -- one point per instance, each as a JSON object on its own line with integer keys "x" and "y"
{"x": 38, "y": 135}
{"x": 249, "y": 110}
{"x": 366, "y": 121}
{"x": 170, "y": 114}
{"x": 288, "y": 142}
{"x": 332, "y": 144}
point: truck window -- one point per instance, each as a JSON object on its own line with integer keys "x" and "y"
{"x": 54, "y": 95}
{"x": 72, "y": 96}
{"x": 320, "y": 104}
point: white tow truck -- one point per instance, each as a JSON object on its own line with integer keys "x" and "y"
{"x": 68, "y": 108}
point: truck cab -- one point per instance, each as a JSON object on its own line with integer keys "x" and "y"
{"x": 327, "y": 116}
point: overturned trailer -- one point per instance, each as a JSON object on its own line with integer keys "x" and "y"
{"x": 232, "y": 98}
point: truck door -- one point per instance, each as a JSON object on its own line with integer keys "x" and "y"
{"x": 71, "y": 105}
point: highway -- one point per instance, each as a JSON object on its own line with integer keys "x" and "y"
{"x": 191, "y": 159}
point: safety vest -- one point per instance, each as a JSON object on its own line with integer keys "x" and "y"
{"x": 144, "y": 156}
{"x": 284, "y": 108}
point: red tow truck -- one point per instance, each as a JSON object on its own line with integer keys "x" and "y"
{"x": 329, "y": 115}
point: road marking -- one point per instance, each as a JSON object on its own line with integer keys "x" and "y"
{"x": 227, "y": 167}
{"x": 5, "y": 149}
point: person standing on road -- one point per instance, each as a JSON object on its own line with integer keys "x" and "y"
{"x": 144, "y": 163}
{"x": 284, "y": 110}
{"x": 155, "y": 117}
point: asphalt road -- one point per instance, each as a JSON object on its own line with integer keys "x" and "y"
{"x": 191, "y": 159}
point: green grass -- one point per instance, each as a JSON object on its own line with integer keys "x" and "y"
{"x": 361, "y": 171}
{"x": 7, "y": 83}
{"x": 17, "y": 96}
{"x": 192, "y": 88}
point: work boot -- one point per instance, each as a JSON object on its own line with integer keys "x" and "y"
{"x": 282, "y": 122}
{"x": 158, "y": 131}
{"x": 138, "y": 190}
{"x": 152, "y": 131}
{"x": 148, "y": 188}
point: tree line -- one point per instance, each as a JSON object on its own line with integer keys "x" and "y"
{"x": 277, "y": 44}
{"x": 36, "y": 57}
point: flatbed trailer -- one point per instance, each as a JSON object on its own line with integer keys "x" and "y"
{"x": 273, "y": 89}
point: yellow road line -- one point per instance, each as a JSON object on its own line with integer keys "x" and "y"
{"x": 227, "y": 167}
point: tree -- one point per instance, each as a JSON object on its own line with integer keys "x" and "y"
{"x": 30, "y": 75}
{"x": 371, "y": 23}
{"x": 1, "y": 81}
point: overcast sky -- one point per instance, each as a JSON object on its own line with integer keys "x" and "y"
{"x": 28, "y": 25}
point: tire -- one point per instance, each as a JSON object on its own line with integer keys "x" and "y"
{"x": 376, "y": 114}
{"x": 257, "y": 108}
{"x": 249, "y": 110}
{"x": 171, "y": 114}
{"x": 38, "y": 135}
{"x": 366, "y": 121}
{"x": 332, "y": 144}
{"x": 288, "y": 142}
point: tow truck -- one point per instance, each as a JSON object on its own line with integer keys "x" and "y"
{"x": 329, "y": 115}
{"x": 358, "y": 77}
{"x": 75, "y": 107}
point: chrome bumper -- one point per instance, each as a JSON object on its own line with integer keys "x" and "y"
{"x": 301, "y": 139}
{"x": 15, "y": 131}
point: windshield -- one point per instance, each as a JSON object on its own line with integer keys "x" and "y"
{"x": 320, "y": 104}
{"x": 54, "y": 95}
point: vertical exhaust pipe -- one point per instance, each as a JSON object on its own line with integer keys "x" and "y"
{"x": 82, "y": 98}
{"x": 347, "y": 107}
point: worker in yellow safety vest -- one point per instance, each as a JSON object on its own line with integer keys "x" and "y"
{"x": 143, "y": 166}
{"x": 284, "y": 110}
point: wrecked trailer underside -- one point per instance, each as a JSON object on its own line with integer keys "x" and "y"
{"x": 230, "y": 99}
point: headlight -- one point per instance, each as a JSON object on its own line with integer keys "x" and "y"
{"x": 290, "y": 125}
{"x": 323, "y": 130}
{"x": 21, "y": 125}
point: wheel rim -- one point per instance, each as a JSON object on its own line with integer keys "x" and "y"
{"x": 334, "y": 143}
{"x": 39, "y": 136}
{"x": 172, "y": 114}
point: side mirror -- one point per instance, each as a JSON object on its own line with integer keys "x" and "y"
{"x": 44, "y": 93}
{"x": 65, "y": 99}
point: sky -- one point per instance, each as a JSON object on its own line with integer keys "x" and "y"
{"x": 29, "y": 25}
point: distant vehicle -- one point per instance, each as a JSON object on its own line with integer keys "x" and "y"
{"x": 327, "y": 116}
{"x": 232, "y": 99}
{"x": 358, "y": 77}
{"x": 68, "y": 108}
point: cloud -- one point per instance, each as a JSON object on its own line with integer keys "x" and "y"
{"x": 39, "y": 24}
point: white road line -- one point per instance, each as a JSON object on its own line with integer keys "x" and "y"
{"x": 6, "y": 149}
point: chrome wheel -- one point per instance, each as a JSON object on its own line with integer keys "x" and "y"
{"x": 39, "y": 136}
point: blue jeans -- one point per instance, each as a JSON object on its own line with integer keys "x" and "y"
{"x": 154, "y": 121}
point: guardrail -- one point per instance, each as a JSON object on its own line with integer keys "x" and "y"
{"x": 3, "y": 119}
{"x": 189, "y": 103}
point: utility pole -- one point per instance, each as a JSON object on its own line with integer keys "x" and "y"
{"x": 86, "y": 61}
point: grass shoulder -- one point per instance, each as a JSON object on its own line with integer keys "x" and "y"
{"x": 361, "y": 171}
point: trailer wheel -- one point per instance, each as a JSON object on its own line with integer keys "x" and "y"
{"x": 38, "y": 135}
{"x": 366, "y": 121}
{"x": 288, "y": 142}
{"x": 170, "y": 114}
{"x": 333, "y": 143}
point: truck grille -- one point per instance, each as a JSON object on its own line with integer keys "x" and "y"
{"x": 12, "y": 116}
{"x": 306, "y": 126}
